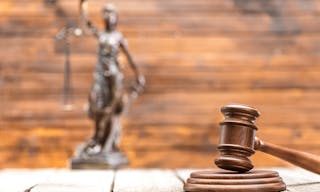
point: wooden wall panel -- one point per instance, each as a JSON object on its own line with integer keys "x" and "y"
{"x": 197, "y": 55}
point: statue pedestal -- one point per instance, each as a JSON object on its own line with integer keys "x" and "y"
{"x": 102, "y": 160}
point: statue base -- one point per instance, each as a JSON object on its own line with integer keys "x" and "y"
{"x": 103, "y": 160}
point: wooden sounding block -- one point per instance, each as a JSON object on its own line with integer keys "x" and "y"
{"x": 228, "y": 181}
{"x": 237, "y": 144}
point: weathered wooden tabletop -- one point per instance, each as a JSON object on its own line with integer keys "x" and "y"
{"x": 127, "y": 180}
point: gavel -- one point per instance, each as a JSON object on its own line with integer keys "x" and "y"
{"x": 238, "y": 142}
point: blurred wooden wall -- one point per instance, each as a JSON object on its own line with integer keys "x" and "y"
{"x": 197, "y": 55}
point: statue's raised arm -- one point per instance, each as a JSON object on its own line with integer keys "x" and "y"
{"x": 85, "y": 18}
{"x": 140, "y": 80}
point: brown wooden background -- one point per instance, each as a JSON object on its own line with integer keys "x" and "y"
{"x": 197, "y": 55}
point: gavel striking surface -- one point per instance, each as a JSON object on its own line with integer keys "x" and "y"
{"x": 228, "y": 181}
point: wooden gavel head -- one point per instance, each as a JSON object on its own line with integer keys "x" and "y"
{"x": 237, "y": 137}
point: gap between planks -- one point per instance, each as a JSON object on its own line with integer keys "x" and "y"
{"x": 127, "y": 180}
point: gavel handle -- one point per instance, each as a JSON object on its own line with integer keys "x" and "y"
{"x": 301, "y": 159}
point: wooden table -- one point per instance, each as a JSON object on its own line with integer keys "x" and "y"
{"x": 127, "y": 180}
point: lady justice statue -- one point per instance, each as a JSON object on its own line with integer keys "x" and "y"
{"x": 107, "y": 98}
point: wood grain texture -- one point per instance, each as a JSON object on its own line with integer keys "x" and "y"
{"x": 308, "y": 187}
{"x": 292, "y": 176}
{"x": 297, "y": 176}
{"x": 220, "y": 181}
{"x": 62, "y": 180}
{"x": 66, "y": 180}
{"x": 146, "y": 180}
{"x": 197, "y": 55}
{"x": 296, "y": 179}
{"x": 22, "y": 179}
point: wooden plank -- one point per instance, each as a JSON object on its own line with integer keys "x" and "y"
{"x": 217, "y": 7}
{"x": 33, "y": 155}
{"x": 84, "y": 63}
{"x": 286, "y": 118}
{"x": 30, "y": 8}
{"x": 149, "y": 137}
{"x": 312, "y": 187}
{"x": 299, "y": 180}
{"x": 42, "y": 187}
{"x": 297, "y": 176}
{"x": 22, "y": 179}
{"x": 146, "y": 180}
{"x": 174, "y": 25}
{"x": 179, "y": 157}
{"x": 185, "y": 173}
{"x": 92, "y": 180}
{"x": 157, "y": 83}
{"x": 148, "y": 156}
{"x": 33, "y": 158}
{"x": 201, "y": 106}
{"x": 213, "y": 44}
{"x": 72, "y": 181}
{"x": 210, "y": 102}
{"x": 197, "y": 157}
{"x": 291, "y": 7}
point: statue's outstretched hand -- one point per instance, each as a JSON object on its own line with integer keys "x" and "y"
{"x": 141, "y": 81}
{"x": 137, "y": 87}
{"x": 140, "y": 84}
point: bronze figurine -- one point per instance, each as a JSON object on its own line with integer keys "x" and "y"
{"x": 107, "y": 98}
{"x": 237, "y": 143}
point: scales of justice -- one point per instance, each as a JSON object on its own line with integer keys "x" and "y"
{"x": 108, "y": 99}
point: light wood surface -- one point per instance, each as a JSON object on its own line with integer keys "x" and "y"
{"x": 128, "y": 180}
{"x": 197, "y": 55}
{"x": 147, "y": 180}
